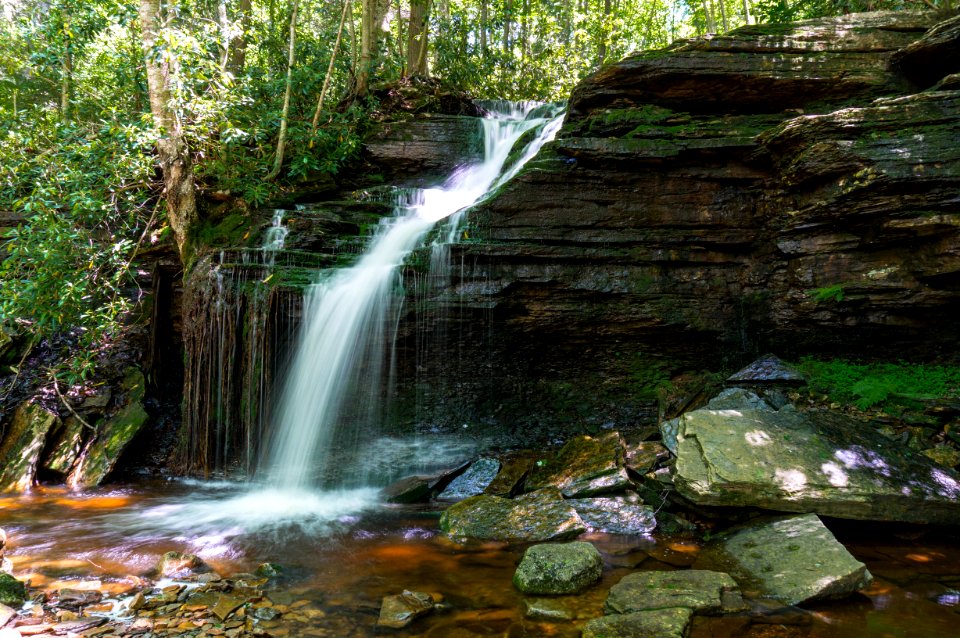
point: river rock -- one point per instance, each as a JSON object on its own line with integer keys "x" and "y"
{"x": 179, "y": 565}
{"x": 768, "y": 370}
{"x": 513, "y": 469}
{"x": 645, "y": 456}
{"x": 662, "y": 623}
{"x": 473, "y": 481}
{"x": 701, "y": 591}
{"x": 412, "y": 489}
{"x": 615, "y": 515}
{"x": 113, "y": 434}
{"x": 396, "y": 612}
{"x": 67, "y": 445}
{"x": 22, "y": 444}
{"x": 585, "y": 466}
{"x": 793, "y": 559}
{"x": 740, "y": 452}
{"x": 539, "y": 516}
{"x": 558, "y": 568}
{"x": 12, "y": 591}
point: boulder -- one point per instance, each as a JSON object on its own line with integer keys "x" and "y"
{"x": 113, "y": 434}
{"x": 473, "y": 481}
{"x": 396, "y": 612}
{"x": 22, "y": 444}
{"x": 67, "y": 445}
{"x": 585, "y": 466}
{"x": 558, "y": 568}
{"x": 616, "y": 514}
{"x": 740, "y": 452}
{"x": 701, "y": 591}
{"x": 12, "y": 591}
{"x": 412, "y": 489}
{"x": 662, "y": 623}
{"x": 538, "y": 516}
{"x": 768, "y": 370}
{"x": 513, "y": 469}
{"x": 180, "y": 565}
{"x": 645, "y": 456}
{"x": 793, "y": 559}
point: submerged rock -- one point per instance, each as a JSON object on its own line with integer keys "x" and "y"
{"x": 396, "y": 612}
{"x": 539, "y": 516}
{"x": 794, "y": 560}
{"x": 662, "y": 623}
{"x": 738, "y": 451}
{"x": 585, "y": 466}
{"x": 615, "y": 515}
{"x": 473, "y": 481}
{"x": 558, "y": 568}
{"x": 701, "y": 591}
{"x": 22, "y": 444}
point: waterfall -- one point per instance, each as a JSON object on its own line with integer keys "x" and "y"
{"x": 343, "y": 341}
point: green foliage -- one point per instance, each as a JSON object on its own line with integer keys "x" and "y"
{"x": 886, "y": 385}
{"x": 829, "y": 293}
{"x": 776, "y": 11}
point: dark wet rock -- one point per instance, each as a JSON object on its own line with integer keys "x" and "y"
{"x": 645, "y": 456}
{"x": 12, "y": 591}
{"x": 550, "y": 609}
{"x": 558, "y": 568}
{"x": 396, "y": 612}
{"x": 736, "y": 452}
{"x": 768, "y": 370}
{"x": 539, "y": 516}
{"x": 179, "y": 565}
{"x": 226, "y": 605}
{"x": 793, "y": 560}
{"x": 22, "y": 445}
{"x": 68, "y": 443}
{"x": 412, "y": 489}
{"x": 615, "y": 514}
{"x": 701, "y": 591}
{"x": 422, "y": 150}
{"x": 113, "y": 435}
{"x": 78, "y": 597}
{"x": 662, "y": 623}
{"x": 935, "y": 55}
{"x": 269, "y": 570}
{"x": 585, "y": 466}
{"x": 473, "y": 481}
{"x": 513, "y": 469}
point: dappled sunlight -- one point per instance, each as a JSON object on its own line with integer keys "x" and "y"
{"x": 946, "y": 485}
{"x": 790, "y": 480}
{"x": 757, "y": 438}
{"x": 859, "y": 457}
{"x": 835, "y": 474}
{"x": 108, "y": 502}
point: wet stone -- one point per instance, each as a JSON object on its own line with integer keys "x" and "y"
{"x": 473, "y": 481}
{"x": 397, "y": 612}
{"x": 513, "y": 469}
{"x": 179, "y": 565}
{"x": 549, "y": 609}
{"x": 12, "y": 591}
{"x": 645, "y": 456}
{"x": 558, "y": 568}
{"x": 538, "y": 516}
{"x": 698, "y": 590}
{"x": 662, "y": 623}
{"x": 585, "y": 466}
{"x": 615, "y": 515}
{"x": 412, "y": 489}
{"x": 768, "y": 370}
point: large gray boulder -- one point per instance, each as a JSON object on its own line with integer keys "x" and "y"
{"x": 793, "y": 559}
{"x": 739, "y": 451}
{"x": 538, "y": 516}
{"x": 662, "y": 623}
{"x": 701, "y": 591}
{"x": 615, "y": 514}
{"x": 565, "y": 568}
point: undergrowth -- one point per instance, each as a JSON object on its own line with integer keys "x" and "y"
{"x": 884, "y": 385}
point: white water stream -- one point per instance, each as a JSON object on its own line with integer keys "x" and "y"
{"x": 342, "y": 345}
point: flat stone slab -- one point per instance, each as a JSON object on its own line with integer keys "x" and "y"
{"x": 585, "y": 466}
{"x": 473, "y": 481}
{"x": 794, "y": 560}
{"x": 701, "y": 591}
{"x": 738, "y": 451}
{"x": 768, "y": 370}
{"x": 396, "y": 612}
{"x": 514, "y": 468}
{"x": 662, "y": 623}
{"x": 538, "y": 516}
{"x": 615, "y": 515}
{"x": 562, "y": 568}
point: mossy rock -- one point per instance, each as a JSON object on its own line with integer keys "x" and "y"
{"x": 558, "y": 568}
{"x": 12, "y": 591}
{"x": 539, "y": 516}
{"x": 585, "y": 466}
{"x": 662, "y": 623}
{"x": 22, "y": 445}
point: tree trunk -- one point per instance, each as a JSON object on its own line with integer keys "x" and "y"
{"x": 238, "y": 44}
{"x": 507, "y": 15}
{"x": 174, "y": 154}
{"x": 602, "y": 49}
{"x": 288, "y": 90}
{"x": 327, "y": 78}
{"x": 370, "y": 28}
{"x": 484, "y": 17}
{"x": 723, "y": 15}
{"x": 417, "y": 35}
{"x": 746, "y": 12}
{"x": 711, "y": 23}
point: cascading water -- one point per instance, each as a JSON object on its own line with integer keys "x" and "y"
{"x": 347, "y": 316}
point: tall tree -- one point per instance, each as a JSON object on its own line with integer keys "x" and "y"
{"x": 179, "y": 190}
{"x": 417, "y": 36}
{"x": 237, "y": 44}
{"x": 288, "y": 90}
{"x": 371, "y": 28}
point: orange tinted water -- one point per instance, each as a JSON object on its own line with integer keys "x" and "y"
{"x": 58, "y": 538}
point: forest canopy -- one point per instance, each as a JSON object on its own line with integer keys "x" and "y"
{"x": 113, "y": 114}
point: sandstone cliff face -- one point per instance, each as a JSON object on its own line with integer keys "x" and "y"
{"x": 784, "y": 188}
